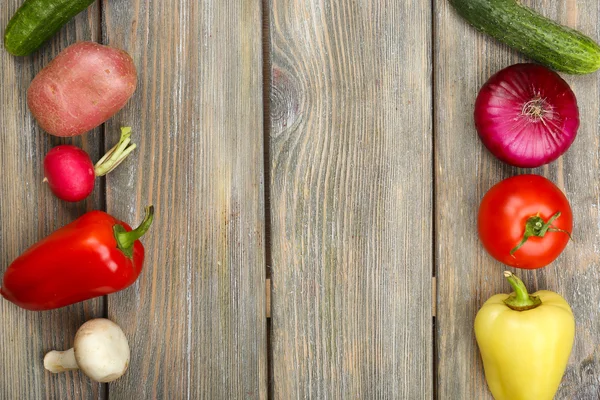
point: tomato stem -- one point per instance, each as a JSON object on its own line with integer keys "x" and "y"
{"x": 520, "y": 300}
{"x": 535, "y": 226}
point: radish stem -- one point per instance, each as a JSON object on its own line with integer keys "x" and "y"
{"x": 115, "y": 155}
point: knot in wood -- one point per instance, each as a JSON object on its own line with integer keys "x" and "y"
{"x": 284, "y": 101}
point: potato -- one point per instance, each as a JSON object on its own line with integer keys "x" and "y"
{"x": 85, "y": 85}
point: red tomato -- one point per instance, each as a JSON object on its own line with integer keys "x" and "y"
{"x": 509, "y": 206}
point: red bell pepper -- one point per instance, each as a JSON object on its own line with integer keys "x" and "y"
{"x": 92, "y": 256}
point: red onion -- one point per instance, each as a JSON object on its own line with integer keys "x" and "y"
{"x": 526, "y": 115}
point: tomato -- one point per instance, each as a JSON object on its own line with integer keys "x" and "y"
{"x": 521, "y": 206}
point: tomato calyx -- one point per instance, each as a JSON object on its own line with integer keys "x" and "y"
{"x": 536, "y": 226}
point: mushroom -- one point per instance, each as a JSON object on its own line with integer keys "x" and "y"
{"x": 100, "y": 350}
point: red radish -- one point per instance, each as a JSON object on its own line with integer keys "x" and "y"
{"x": 526, "y": 115}
{"x": 69, "y": 170}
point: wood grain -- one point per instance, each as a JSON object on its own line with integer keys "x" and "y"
{"x": 196, "y": 317}
{"x": 351, "y": 199}
{"x": 28, "y": 212}
{"x": 466, "y": 275}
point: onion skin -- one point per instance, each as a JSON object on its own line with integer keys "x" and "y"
{"x": 526, "y": 115}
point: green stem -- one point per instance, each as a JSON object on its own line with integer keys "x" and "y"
{"x": 536, "y": 226}
{"x": 126, "y": 240}
{"x": 520, "y": 300}
{"x": 116, "y": 155}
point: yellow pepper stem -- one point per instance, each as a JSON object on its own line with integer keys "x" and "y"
{"x": 520, "y": 300}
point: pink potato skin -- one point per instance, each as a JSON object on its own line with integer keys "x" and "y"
{"x": 85, "y": 85}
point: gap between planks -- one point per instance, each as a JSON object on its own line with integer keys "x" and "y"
{"x": 433, "y": 296}
{"x": 268, "y": 298}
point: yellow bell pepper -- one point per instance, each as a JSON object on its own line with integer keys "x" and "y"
{"x": 525, "y": 342}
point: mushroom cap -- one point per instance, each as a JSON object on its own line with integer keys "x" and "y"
{"x": 101, "y": 350}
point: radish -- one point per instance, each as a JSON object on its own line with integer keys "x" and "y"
{"x": 69, "y": 170}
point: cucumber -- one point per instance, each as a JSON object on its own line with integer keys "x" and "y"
{"x": 541, "y": 39}
{"x": 37, "y": 21}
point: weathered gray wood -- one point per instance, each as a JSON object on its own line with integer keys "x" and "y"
{"x": 28, "y": 212}
{"x": 466, "y": 275}
{"x": 351, "y": 199}
{"x": 196, "y": 316}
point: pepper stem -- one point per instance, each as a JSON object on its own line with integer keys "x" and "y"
{"x": 126, "y": 240}
{"x": 520, "y": 300}
{"x": 536, "y": 226}
{"x": 116, "y": 155}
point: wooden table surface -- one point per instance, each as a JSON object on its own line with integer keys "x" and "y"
{"x": 327, "y": 146}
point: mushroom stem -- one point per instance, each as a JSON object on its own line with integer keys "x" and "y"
{"x": 60, "y": 361}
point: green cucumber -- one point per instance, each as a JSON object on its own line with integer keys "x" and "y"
{"x": 37, "y": 21}
{"x": 541, "y": 39}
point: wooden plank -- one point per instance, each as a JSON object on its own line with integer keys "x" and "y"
{"x": 28, "y": 212}
{"x": 466, "y": 275}
{"x": 351, "y": 199}
{"x": 196, "y": 317}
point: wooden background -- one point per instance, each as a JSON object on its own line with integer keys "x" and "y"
{"x": 326, "y": 145}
